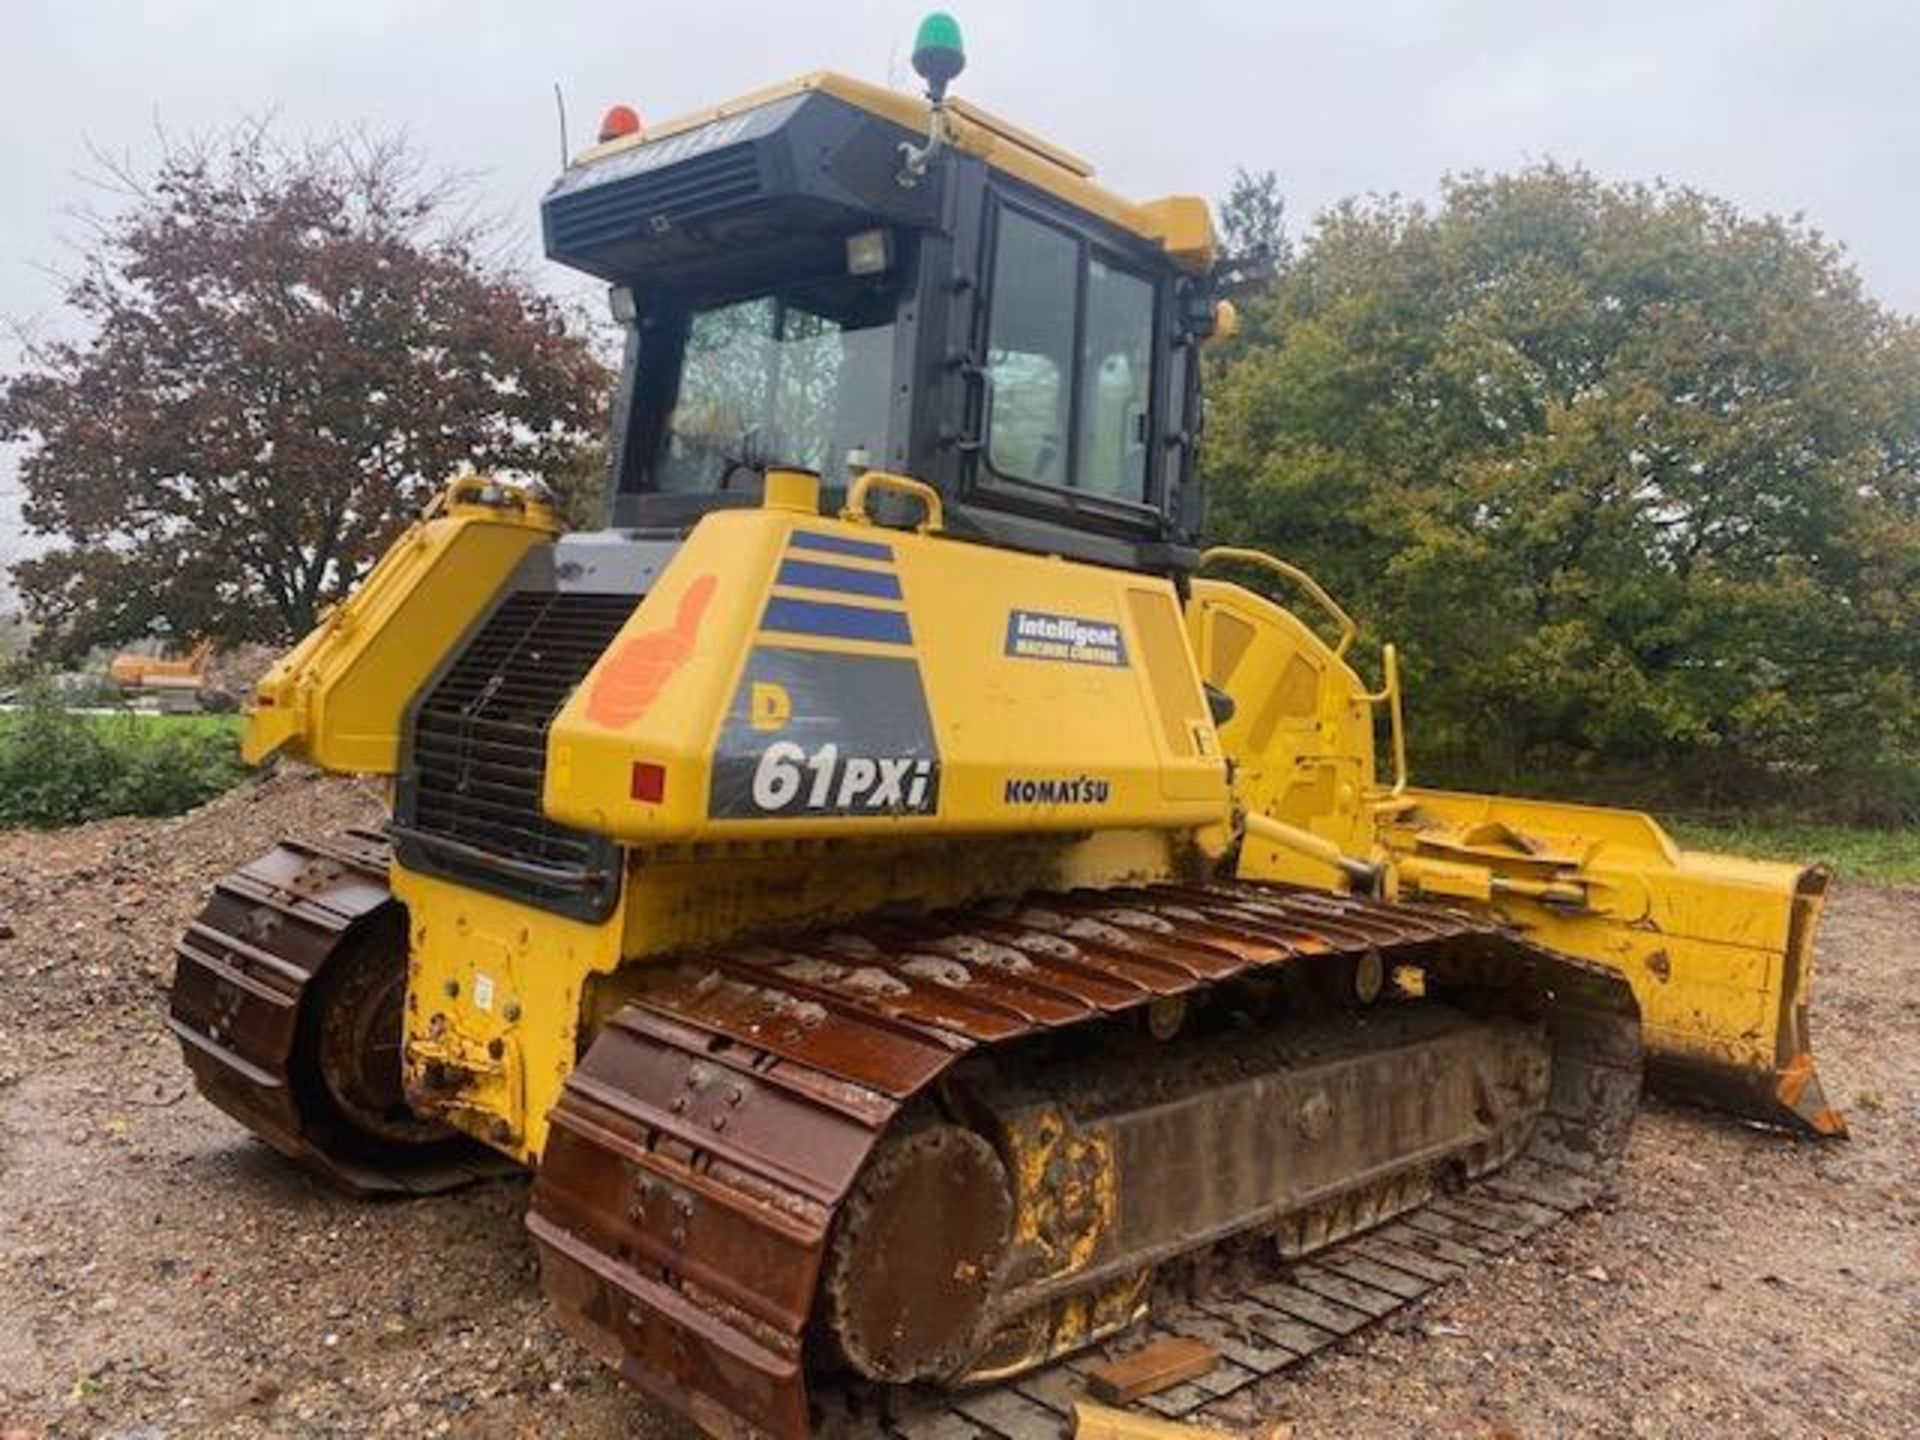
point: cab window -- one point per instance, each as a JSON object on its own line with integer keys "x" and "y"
{"x": 799, "y": 378}
{"x": 1030, "y": 350}
{"x": 1069, "y": 363}
{"x": 1115, "y": 358}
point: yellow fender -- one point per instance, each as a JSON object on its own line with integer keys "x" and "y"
{"x": 338, "y": 699}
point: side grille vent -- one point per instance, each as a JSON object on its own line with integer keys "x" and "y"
{"x": 673, "y": 195}
{"x": 469, "y": 803}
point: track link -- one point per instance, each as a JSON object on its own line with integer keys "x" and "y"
{"x": 702, "y": 1150}
{"x": 249, "y": 976}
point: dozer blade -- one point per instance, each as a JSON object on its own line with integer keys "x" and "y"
{"x": 894, "y": 1179}
{"x": 1719, "y": 949}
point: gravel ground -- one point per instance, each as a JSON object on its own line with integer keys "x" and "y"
{"x": 163, "y": 1276}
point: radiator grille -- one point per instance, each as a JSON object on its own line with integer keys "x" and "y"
{"x": 471, "y": 799}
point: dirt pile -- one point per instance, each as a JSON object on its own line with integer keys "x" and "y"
{"x": 91, "y": 913}
{"x": 237, "y": 670}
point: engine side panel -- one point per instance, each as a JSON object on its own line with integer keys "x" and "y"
{"x": 1301, "y": 733}
{"x": 800, "y": 677}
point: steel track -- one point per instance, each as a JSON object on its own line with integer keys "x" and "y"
{"x": 703, "y": 1147}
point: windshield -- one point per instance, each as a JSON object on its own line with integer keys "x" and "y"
{"x": 799, "y": 380}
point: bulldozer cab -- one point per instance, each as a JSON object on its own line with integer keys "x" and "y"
{"x": 798, "y": 294}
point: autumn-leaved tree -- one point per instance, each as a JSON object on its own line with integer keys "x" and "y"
{"x": 1633, "y": 477}
{"x": 285, "y": 350}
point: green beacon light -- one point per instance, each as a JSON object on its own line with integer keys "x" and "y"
{"x": 937, "y": 58}
{"x": 937, "y": 53}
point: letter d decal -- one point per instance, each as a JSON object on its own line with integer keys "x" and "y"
{"x": 772, "y": 707}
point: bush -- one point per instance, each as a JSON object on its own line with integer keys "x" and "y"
{"x": 176, "y": 769}
{"x": 61, "y": 768}
{"x": 54, "y": 767}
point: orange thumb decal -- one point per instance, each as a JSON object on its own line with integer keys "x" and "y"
{"x": 638, "y": 669}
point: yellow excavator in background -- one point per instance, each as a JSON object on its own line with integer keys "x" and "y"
{"x": 177, "y": 681}
{"x": 916, "y": 916}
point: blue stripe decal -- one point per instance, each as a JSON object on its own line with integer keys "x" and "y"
{"x": 839, "y": 545}
{"x": 811, "y": 575}
{"x": 836, "y": 622}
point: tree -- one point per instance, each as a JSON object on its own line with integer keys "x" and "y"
{"x": 1634, "y": 478}
{"x": 290, "y": 348}
{"x": 1253, "y": 228}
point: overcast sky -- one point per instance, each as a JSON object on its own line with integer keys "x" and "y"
{"x": 1782, "y": 105}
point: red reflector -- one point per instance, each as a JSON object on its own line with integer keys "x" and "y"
{"x": 620, "y": 120}
{"x": 649, "y": 782}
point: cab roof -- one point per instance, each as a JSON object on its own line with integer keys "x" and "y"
{"x": 1179, "y": 224}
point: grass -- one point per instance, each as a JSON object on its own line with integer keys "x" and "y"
{"x": 135, "y": 729}
{"x": 135, "y": 726}
{"x": 1855, "y": 852}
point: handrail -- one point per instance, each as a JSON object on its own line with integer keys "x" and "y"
{"x": 856, "y": 506}
{"x": 1389, "y": 691}
{"x": 1260, "y": 560}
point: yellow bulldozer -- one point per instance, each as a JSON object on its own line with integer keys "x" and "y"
{"x": 917, "y": 916}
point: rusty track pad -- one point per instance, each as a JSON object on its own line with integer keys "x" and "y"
{"x": 717, "y": 1126}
